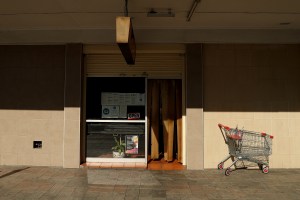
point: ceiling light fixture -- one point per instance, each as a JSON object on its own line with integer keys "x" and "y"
{"x": 192, "y": 10}
{"x": 154, "y": 13}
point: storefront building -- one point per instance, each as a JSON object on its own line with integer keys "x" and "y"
{"x": 53, "y": 93}
{"x": 69, "y": 102}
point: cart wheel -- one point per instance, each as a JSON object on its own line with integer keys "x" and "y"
{"x": 265, "y": 170}
{"x": 227, "y": 171}
{"x": 221, "y": 165}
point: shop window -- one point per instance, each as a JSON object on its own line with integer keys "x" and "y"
{"x": 115, "y": 113}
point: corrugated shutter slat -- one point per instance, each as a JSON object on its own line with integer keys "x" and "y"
{"x": 152, "y": 65}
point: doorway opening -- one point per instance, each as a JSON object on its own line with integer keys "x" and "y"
{"x": 164, "y": 110}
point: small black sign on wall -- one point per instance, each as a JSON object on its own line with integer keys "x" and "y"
{"x": 37, "y": 144}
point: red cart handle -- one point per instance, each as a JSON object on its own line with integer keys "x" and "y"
{"x": 265, "y": 134}
{"x": 225, "y": 127}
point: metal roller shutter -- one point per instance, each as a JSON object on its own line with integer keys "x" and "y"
{"x": 152, "y": 61}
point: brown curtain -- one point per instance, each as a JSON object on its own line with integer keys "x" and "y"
{"x": 165, "y": 108}
{"x": 168, "y": 117}
{"x": 154, "y": 119}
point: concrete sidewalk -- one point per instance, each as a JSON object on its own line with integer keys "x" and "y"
{"x": 85, "y": 183}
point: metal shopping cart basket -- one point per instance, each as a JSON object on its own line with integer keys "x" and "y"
{"x": 246, "y": 146}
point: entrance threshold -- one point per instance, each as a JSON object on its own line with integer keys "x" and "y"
{"x": 152, "y": 165}
{"x": 161, "y": 164}
{"x": 115, "y": 165}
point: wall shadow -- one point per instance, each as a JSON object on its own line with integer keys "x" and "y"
{"x": 244, "y": 77}
{"x": 32, "y": 77}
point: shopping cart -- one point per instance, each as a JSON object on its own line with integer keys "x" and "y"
{"x": 246, "y": 147}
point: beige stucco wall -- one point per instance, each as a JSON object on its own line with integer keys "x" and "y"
{"x": 40, "y": 101}
{"x": 255, "y": 87}
{"x": 194, "y": 107}
{"x": 72, "y": 106}
{"x": 19, "y": 128}
{"x": 71, "y": 138}
{"x": 32, "y": 105}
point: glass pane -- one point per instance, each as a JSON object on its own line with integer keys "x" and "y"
{"x": 96, "y": 87}
{"x": 103, "y": 137}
